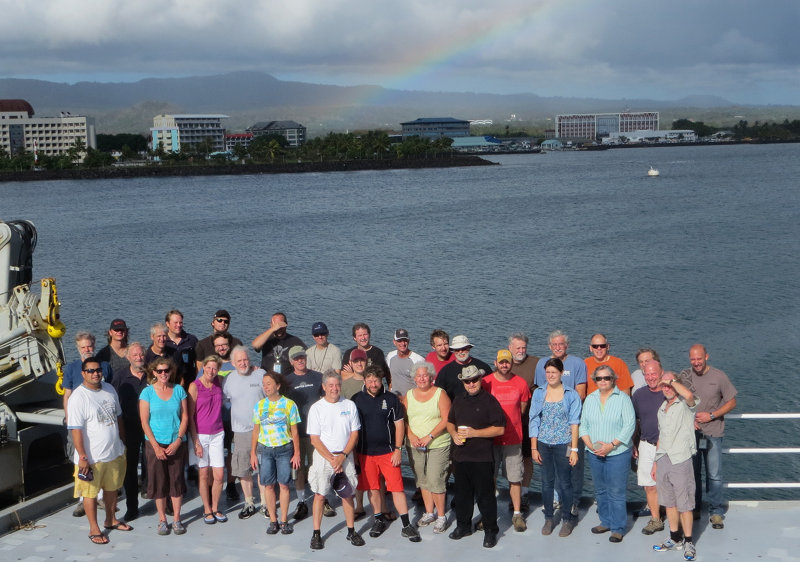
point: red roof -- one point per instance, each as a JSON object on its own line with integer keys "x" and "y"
{"x": 16, "y": 105}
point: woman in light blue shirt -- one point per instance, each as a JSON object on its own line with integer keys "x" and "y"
{"x": 607, "y": 425}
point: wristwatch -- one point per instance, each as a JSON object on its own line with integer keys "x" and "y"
{"x": 711, "y": 414}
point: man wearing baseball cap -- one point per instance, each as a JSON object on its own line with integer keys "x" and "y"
{"x": 448, "y": 377}
{"x": 400, "y": 361}
{"x": 323, "y": 355}
{"x": 513, "y": 394}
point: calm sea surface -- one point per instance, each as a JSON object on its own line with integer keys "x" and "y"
{"x": 585, "y": 242}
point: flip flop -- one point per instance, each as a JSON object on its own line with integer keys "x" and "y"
{"x": 119, "y": 526}
{"x": 209, "y": 519}
{"x": 98, "y": 539}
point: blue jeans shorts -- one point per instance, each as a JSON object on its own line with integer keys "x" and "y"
{"x": 275, "y": 464}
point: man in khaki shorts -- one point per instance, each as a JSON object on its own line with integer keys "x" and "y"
{"x": 94, "y": 413}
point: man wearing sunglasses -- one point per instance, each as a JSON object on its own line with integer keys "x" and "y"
{"x": 205, "y": 347}
{"x": 599, "y": 347}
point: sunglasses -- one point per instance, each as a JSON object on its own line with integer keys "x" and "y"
{"x": 472, "y": 381}
{"x": 161, "y": 371}
{"x": 599, "y": 345}
{"x": 604, "y": 378}
{"x": 222, "y": 320}
{"x": 93, "y": 371}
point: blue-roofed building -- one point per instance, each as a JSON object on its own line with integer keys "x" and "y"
{"x": 435, "y": 128}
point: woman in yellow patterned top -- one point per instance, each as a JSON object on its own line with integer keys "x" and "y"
{"x": 275, "y": 448}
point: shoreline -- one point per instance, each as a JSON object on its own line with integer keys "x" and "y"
{"x": 241, "y": 169}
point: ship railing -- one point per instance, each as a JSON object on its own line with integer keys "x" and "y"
{"x": 762, "y": 450}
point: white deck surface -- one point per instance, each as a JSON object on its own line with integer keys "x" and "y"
{"x": 753, "y": 531}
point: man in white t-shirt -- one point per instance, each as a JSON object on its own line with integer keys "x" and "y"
{"x": 94, "y": 422}
{"x": 333, "y": 426}
{"x": 400, "y": 361}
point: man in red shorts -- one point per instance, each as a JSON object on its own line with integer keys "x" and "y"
{"x": 380, "y": 451}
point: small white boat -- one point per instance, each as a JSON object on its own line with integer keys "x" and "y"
{"x": 652, "y": 172}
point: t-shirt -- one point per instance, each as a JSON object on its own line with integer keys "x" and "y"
{"x": 645, "y": 405}
{"x": 118, "y": 363}
{"x": 624, "y": 380}
{"x": 333, "y": 422}
{"x": 275, "y": 353}
{"x": 378, "y": 415}
{"x": 128, "y": 388}
{"x": 478, "y": 412}
{"x": 437, "y": 363}
{"x": 165, "y": 415}
{"x": 185, "y": 358}
{"x": 573, "y": 375}
{"x": 638, "y": 379}
{"x": 400, "y": 367}
{"x": 274, "y": 419}
{"x": 527, "y": 370}
{"x": 95, "y": 413}
{"x": 374, "y": 357}
{"x": 352, "y": 386}
{"x": 321, "y": 360}
{"x": 714, "y": 389}
{"x": 243, "y": 392}
{"x": 448, "y": 376}
{"x": 304, "y": 390}
{"x": 511, "y": 394}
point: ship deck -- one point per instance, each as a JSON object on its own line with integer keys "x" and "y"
{"x": 758, "y": 530}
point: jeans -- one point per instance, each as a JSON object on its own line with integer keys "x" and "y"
{"x": 555, "y": 463}
{"x": 713, "y": 461}
{"x": 275, "y": 464}
{"x": 610, "y": 477}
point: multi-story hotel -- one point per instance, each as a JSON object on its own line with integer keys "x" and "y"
{"x": 20, "y": 131}
{"x": 436, "y": 127}
{"x": 596, "y": 125}
{"x": 294, "y": 133}
{"x": 173, "y": 131}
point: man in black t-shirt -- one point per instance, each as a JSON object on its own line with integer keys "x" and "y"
{"x": 375, "y": 356}
{"x": 274, "y": 344}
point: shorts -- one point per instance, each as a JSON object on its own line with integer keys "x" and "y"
{"x": 675, "y": 484}
{"x": 275, "y": 464}
{"x": 375, "y": 466}
{"x": 512, "y": 455}
{"x": 306, "y": 453}
{"x": 320, "y": 472}
{"x": 430, "y": 468}
{"x": 213, "y": 450}
{"x": 240, "y": 455}
{"x": 165, "y": 478}
{"x": 108, "y": 475}
{"x": 647, "y": 456}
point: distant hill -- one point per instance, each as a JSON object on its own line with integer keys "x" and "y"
{"x": 248, "y": 97}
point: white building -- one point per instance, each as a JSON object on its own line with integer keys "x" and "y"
{"x": 20, "y": 131}
{"x": 596, "y": 125}
{"x": 173, "y": 131}
{"x": 634, "y": 137}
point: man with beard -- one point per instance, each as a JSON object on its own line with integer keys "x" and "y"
{"x": 184, "y": 344}
{"x": 274, "y": 344}
{"x": 524, "y": 366}
{"x": 205, "y": 347}
{"x": 448, "y": 378}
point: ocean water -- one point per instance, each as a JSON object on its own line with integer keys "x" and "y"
{"x": 581, "y": 241}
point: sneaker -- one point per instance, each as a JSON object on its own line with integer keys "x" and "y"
{"x": 355, "y": 539}
{"x": 519, "y": 523}
{"x": 231, "y": 493}
{"x": 410, "y": 532}
{"x": 566, "y": 528}
{"x": 247, "y": 511}
{"x": 301, "y": 512}
{"x": 316, "y": 542}
{"x": 163, "y": 528}
{"x": 441, "y": 525}
{"x": 273, "y": 528}
{"x": 689, "y": 552}
{"x": 548, "y": 526}
{"x": 286, "y": 528}
{"x": 653, "y": 526}
{"x": 378, "y": 527}
{"x": 79, "y": 511}
{"x": 264, "y": 511}
{"x": 178, "y": 528}
{"x": 717, "y": 522}
{"x": 668, "y": 544}
{"x": 615, "y": 537}
{"x": 524, "y": 506}
{"x": 574, "y": 510}
{"x": 327, "y": 510}
{"x": 426, "y": 520}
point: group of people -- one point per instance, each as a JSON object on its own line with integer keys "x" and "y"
{"x": 339, "y": 422}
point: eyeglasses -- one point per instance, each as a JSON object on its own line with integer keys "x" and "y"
{"x": 222, "y": 320}
{"x": 161, "y": 371}
{"x": 603, "y": 378}
{"x": 472, "y": 381}
{"x": 599, "y": 345}
{"x": 93, "y": 371}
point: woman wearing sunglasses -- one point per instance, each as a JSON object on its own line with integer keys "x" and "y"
{"x": 165, "y": 421}
{"x": 607, "y": 425}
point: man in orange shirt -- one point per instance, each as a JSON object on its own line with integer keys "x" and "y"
{"x": 600, "y": 357}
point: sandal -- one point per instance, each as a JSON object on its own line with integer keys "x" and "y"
{"x": 118, "y": 526}
{"x": 209, "y": 519}
{"x": 220, "y": 517}
{"x": 98, "y": 539}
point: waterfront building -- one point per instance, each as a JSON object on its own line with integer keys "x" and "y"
{"x": 593, "y": 126}
{"x": 173, "y": 131}
{"x": 435, "y": 128}
{"x": 294, "y": 133}
{"x": 234, "y": 139}
{"x": 20, "y": 131}
{"x": 635, "y": 137}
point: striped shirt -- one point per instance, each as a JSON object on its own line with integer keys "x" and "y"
{"x": 614, "y": 420}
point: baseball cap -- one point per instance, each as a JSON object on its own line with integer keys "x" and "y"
{"x": 118, "y": 324}
{"x": 358, "y": 354}
{"x": 222, "y": 313}
{"x": 341, "y": 485}
{"x": 504, "y": 355}
{"x": 319, "y": 328}
{"x": 296, "y": 351}
{"x": 401, "y": 334}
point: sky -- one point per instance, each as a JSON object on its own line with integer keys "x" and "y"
{"x": 745, "y": 51}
